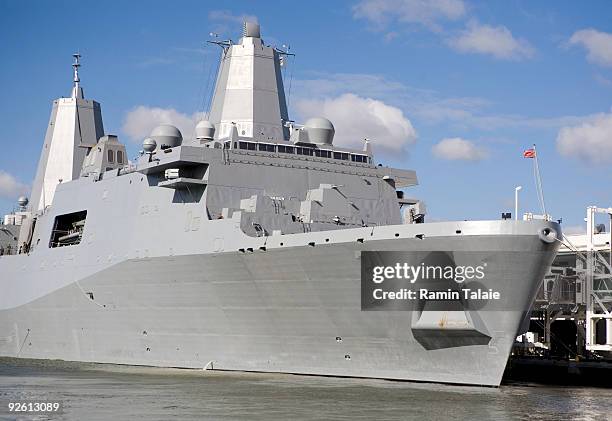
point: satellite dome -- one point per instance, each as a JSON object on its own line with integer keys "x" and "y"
{"x": 204, "y": 130}
{"x": 320, "y": 131}
{"x": 167, "y": 136}
{"x": 23, "y": 201}
{"x": 149, "y": 145}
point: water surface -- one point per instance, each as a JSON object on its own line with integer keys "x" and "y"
{"x": 102, "y": 392}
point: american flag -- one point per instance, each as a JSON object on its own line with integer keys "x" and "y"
{"x": 529, "y": 153}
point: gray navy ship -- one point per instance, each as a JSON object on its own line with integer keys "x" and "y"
{"x": 238, "y": 247}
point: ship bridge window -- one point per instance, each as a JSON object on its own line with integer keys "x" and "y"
{"x": 285, "y": 149}
{"x": 304, "y": 151}
{"x": 267, "y": 147}
{"x": 359, "y": 158}
{"x": 68, "y": 229}
{"x": 119, "y": 157}
{"x": 250, "y": 146}
{"x": 322, "y": 153}
{"x": 341, "y": 155}
{"x": 111, "y": 156}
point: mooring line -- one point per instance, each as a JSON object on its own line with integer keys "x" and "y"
{"x": 23, "y": 343}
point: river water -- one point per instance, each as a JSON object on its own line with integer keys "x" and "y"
{"x": 110, "y": 392}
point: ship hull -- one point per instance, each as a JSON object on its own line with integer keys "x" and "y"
{"x": 290, "y": 310}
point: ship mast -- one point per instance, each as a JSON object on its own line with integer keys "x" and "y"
{"x": 75, "y": 126}
{"x": 249, "y": 92}
{"x": 77, "y": 91}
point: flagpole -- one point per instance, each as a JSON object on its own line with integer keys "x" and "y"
{"x": 538, "y": 179}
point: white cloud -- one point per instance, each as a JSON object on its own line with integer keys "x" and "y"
{"x": 356, "y": 118}
{"x": 10, "y": 187}
{"x": 598, "y": 45}
{"x": 458, "y": 149}
{"x": 423, "y": 12}
{"x": 139, "y": 121}
{"x": 590, "y": 141}
{"x": 497, "y": 41}
{"x": 425, "y": 105}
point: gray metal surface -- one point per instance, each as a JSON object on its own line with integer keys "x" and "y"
{"x": 249, "y": 90}
{"x": 74, "y": 127}
{"x": 279, "y": 310}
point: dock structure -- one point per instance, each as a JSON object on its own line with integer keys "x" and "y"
{"x": 572, "y": 314}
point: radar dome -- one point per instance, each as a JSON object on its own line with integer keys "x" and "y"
{"x": 23, "y": 201}
{"x": 320, "y": 131}
{"x": 167, "y": 136}
{"x": 204, "y": 130}
{"x": 149, "y": 145}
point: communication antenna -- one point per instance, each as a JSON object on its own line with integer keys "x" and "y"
{"x": 23, "y": 203}
{"x": 282, "y": 54}
{"x": 284, "y": 51}
{"x": 149, "y": 145}
{"x": 225, "y": 44}
{"x": 77, "y": 91}
{"x": 75, "y": 66}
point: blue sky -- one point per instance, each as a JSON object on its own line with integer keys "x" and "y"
{"x": 453, "y": 89}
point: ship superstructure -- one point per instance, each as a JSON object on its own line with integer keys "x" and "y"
{"x": 239, "y": 249}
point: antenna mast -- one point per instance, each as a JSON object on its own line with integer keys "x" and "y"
{"x": 77, "y": 91}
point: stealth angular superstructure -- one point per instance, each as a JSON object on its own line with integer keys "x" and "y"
{"x": 238, "y": 247}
